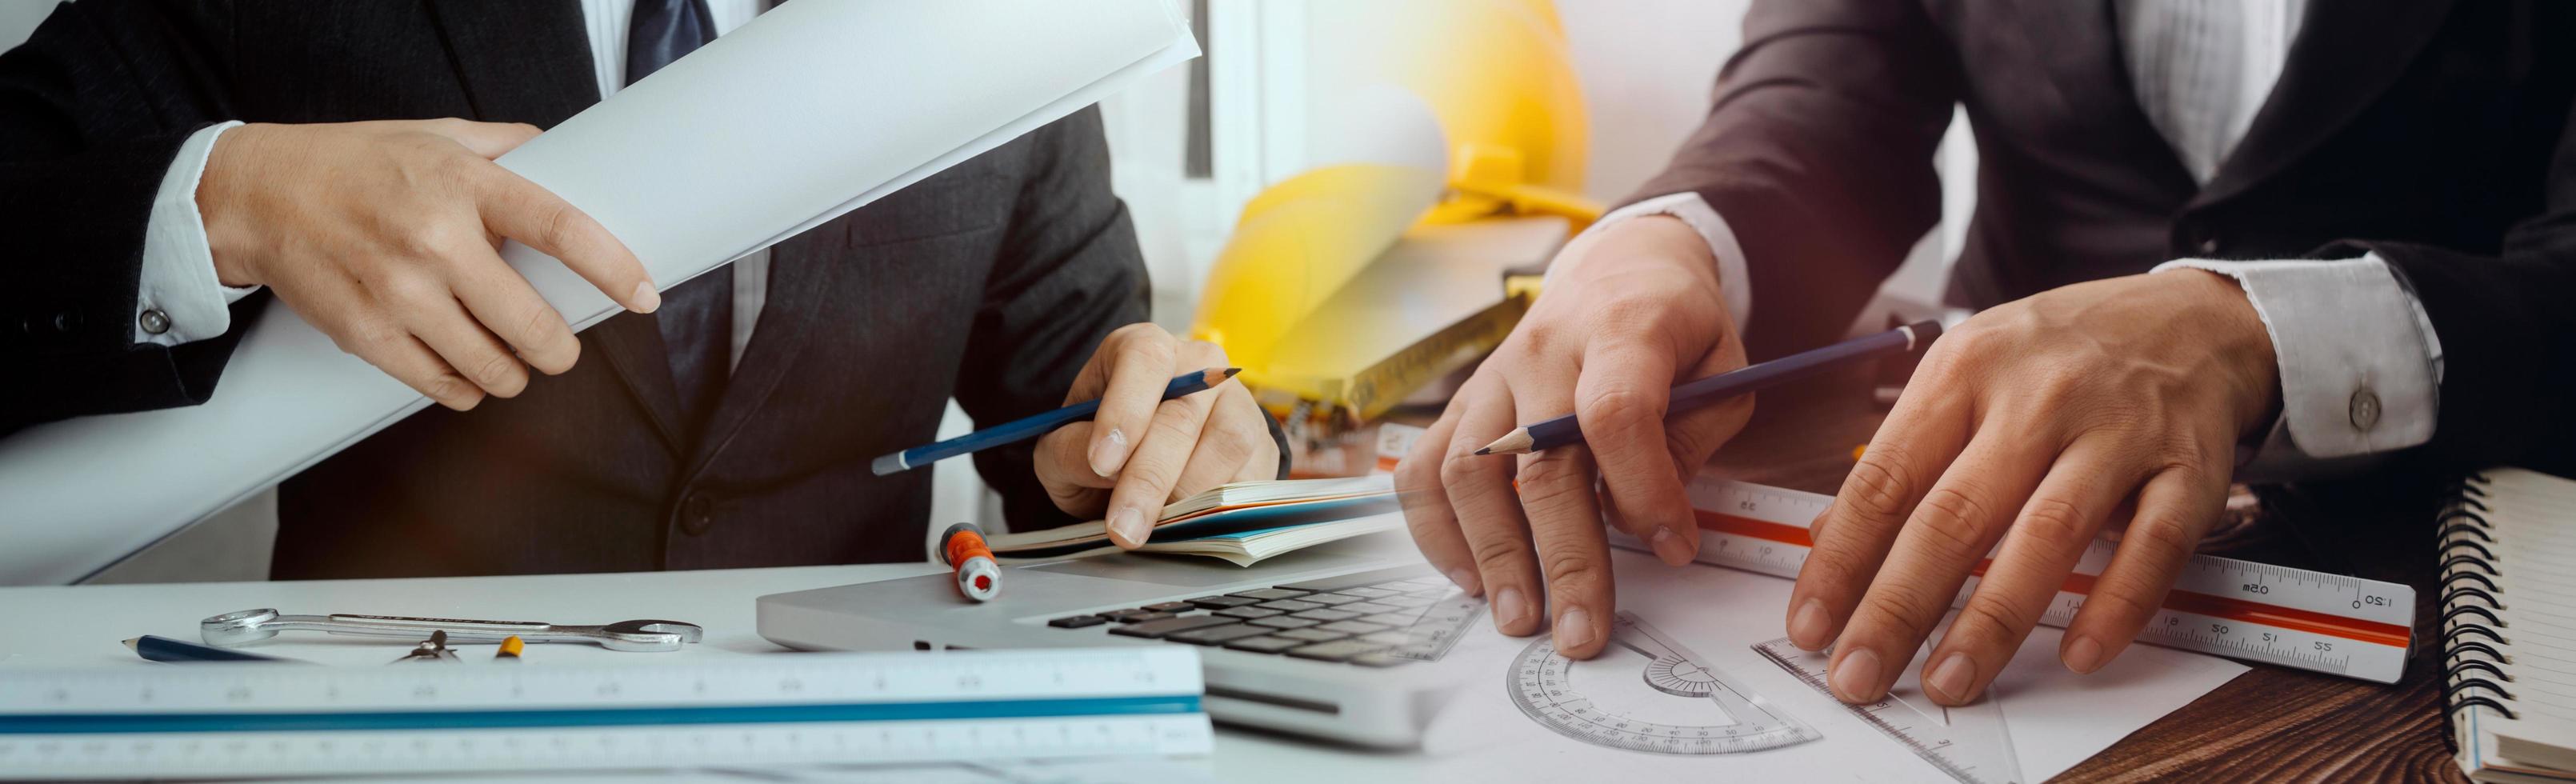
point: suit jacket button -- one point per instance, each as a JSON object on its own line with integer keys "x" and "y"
{"x": 66, "y": 321}
{"x": 2364, "y": 409}
{"x": 697, "y": 514}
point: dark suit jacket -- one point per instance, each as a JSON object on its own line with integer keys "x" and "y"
{"x": 2433, "y": 132}
{"x": 1020, "y": 258}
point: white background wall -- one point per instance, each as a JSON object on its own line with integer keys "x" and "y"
{"x": 1645, "y": 65}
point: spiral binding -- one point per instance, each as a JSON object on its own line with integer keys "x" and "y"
{"x": 2472, "y": 671}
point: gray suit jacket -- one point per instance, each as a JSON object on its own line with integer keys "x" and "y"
{"x": 991, "y": 282}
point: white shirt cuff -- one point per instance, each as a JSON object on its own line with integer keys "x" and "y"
{"x": 1733, "y": 283}
{"x": 179, "y": 299}
{"x": 2361, "y": 370}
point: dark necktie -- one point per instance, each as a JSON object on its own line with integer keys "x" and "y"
{"x": 696, "y": 316}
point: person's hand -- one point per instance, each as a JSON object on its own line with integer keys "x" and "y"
{"x": 1627, "y": 313}
{"x": 386, "y": 236}
{"x": 2036, "y": 423}
{"x": 1141, "y": 451}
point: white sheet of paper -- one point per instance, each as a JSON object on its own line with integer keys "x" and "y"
{"x": 853, "y": 100}
{"x": 2057, "y": 718}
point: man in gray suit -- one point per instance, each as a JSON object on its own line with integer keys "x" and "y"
{"x": 174, "y": 166}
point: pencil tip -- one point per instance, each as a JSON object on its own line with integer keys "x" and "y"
{"x": 134, "y": 642}
{"x": 1485, "y": 451}
{"x": 1229, "y": 372}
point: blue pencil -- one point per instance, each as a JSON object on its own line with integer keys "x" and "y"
{"x": 164, "y": 649}
{"x": 1750, "y": 378}
{"x": 1034, "y": 426}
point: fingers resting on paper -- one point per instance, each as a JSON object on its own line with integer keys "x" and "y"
{"x": 1628, "y": 312}
{"x": 2023, "y": 433}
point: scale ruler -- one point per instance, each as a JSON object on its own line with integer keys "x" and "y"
{"x": 2295, "y": 618}
{"x": 265, "y": 719}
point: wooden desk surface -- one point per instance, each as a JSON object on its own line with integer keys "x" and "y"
{"x": 2271, "y": 723}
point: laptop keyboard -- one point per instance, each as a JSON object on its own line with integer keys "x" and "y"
{"x": 1381, "y": 618}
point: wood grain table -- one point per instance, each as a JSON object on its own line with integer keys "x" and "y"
{"x": 2269, "y": 724}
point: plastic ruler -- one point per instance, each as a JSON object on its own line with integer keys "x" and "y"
{"x": 219, "y": 720}
{"x": 2240, "y": 609}
{"x": 1968, "y": 742}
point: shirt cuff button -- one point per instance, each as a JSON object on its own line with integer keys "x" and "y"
{"x": 2364, "y": 409}
{"x": 154, "y": 321}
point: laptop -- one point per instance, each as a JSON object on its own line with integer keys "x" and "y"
{"x": 1340, "y": 641}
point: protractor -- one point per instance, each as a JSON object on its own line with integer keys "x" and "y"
{"x": 1647, "y": 693}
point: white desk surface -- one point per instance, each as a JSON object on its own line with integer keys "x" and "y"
{"x": 85, "y": 625}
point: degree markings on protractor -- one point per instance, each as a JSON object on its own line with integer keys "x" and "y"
{"x": 1647, "y": 693}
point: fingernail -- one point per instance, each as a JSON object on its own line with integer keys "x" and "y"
{"x": 1573, "y": 629}
{"x": 1509, "y": 609}
{"x": 1855, "y": 678}
{"x": 1465, "y": 579}
{"x": 1108, "y": 453}
{"x": 1951, "y": 678}
{"x": 1670, "y": 547}
{"x": 2083, "y": 655}
{"x": 1811, "y": 628}
{"x": 646, "y": 298}
{"x": 1130, "y": 525}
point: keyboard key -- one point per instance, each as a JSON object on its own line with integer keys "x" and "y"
{"x": 1141, "y": 617}
{"x": 1217, "y": 635}
{"x": 1405, "y": 601}
{"x": 1392, "y": 637}
{"x": 1171, "y": 607}
{"x": 1284, "y": 623}
{"x": 1288, "y": 605}
{"x": 1077, "y": 621}
{"x": 1264, "y": 644}
{"x": 1334, "y": 651}
{"x": 1156, "y": 629}
{"x": 1329, "y": 598}
{"x": 1380, "y": 660}
{"x": 1357, "y": 579}
{"x": 1367, "y": 593}
{"x": 1282, "y": 592}
{"x": 1249, "y": 613}
{"x": 1122, "y": 616}
{"x": 1429, "y": 593}
{"x": 1352, "y": 627}
{"x": 1397, "y": 619}
{"x": 1316, "y": 634}
{"x": 1369, "y": 608}
{"x": 1326, "y": 615}
{"x": 1222, "y": 602}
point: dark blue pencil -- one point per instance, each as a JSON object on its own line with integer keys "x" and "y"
{"x": 1034, "y": 426}
{"x": 164, "y": 649}
{"x": 1750, "y": 378}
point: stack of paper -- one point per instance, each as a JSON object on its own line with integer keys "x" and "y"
{"x": 1242, "y": 522}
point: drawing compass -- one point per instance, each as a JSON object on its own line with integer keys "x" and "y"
{"x": 1647, "y": 693}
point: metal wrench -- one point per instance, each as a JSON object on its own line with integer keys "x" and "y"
{"x": 235, "y": 628}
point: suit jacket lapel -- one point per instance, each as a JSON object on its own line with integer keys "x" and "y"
{"x": 530, "y": 61}
{"x": 802, "y": 275}
{"x": 2347, "y": 53}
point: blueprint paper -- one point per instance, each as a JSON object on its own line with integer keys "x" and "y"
{"x": 2057, "y": 718}
{"x": 856, "y": 99}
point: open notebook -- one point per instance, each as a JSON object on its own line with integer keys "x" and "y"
{"x": 2509, "y": 625}
{"x": 1242, "y": 522}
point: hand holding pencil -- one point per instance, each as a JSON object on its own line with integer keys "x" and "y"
{"x": 1150, "y": 418}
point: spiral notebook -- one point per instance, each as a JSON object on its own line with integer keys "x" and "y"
{"x": 2509, "y": 625}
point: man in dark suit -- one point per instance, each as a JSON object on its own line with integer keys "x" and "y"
{"x": 726, "y": 422}
{"x": 2360, "y": 218}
